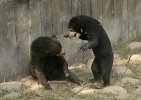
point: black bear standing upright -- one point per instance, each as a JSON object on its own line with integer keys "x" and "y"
{"x": 87, "y": 28}
{"x": 47, "y": 61}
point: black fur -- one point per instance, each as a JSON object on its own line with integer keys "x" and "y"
{"x": 45, "y": 64}
{"x": 91, "y": 30}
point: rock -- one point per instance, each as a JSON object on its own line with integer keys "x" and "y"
{"x": 136, "y": 57}
{"x": 85, "y": 90}
{"x": 123, "y": 97}
{"x": 139, "y": 68}
{"x": 116, "y": 57}
{"x": 135, "y": 45}
{"x": 79, "y": 90}
{"x": 76, "y": 89}
{"x": 138, "y": 91}
{"x": 88, "y": 91}
{"x": 122, "y": 70}
{"x": 130, "y": 80}
{"x": 11, "y": 85}
{"x": 117, "y": 90}
{"x": 11, "y": 95}
{"x": 89, "y": 62}
{"x": 78, "y": 66}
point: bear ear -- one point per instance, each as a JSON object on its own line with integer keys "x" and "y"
{"x": 54, "y": 36}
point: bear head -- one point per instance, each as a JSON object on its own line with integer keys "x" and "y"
{"x": 47, "y": 46}
{"x": 75, "y": 27}
{"x": 56, "y": 48}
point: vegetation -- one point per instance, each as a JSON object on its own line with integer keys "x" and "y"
{"x": 122, "y": 48}
{"x": 64, "y": 91}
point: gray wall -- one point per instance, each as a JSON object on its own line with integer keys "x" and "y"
{"x": 24, "y": 20}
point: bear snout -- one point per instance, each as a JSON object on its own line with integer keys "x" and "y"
{"x": 61, "y": 53}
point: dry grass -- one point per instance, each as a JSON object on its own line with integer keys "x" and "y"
{"x": 62, "y": 90}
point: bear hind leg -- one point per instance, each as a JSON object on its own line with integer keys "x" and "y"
{"x": 96, "y": 70}
{"x": 42, "y": 79}
{"x": 106, "y": 71}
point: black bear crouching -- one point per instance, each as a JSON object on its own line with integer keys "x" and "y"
{"x": 48, "y": 63}
{"x": 87, "y": 28}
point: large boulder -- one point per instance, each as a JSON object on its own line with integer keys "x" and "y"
{"x": 138, "y": 91}
{"x": 122, "y": 70}
{"x": 117, "y": 90}
{"x": 11, "y": 95}
{"x": 136, "y": 57}
{"x": 14, "y": 85}
{"x": 135, "y": 45}
{"x": 130, "y": 80}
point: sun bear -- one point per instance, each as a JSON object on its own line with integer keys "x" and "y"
{"x": 87, "y": 28}
{"x": 48, "y": 63}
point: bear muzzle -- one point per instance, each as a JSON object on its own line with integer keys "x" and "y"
{"x": 61, "y": 53}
